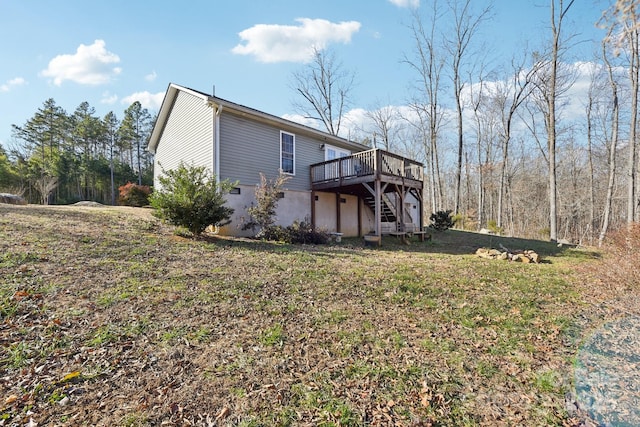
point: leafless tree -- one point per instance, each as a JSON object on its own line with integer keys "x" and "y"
{"x": 325, "y": 87}
{"x": 426, "y": 132}
{"x": 632, "y": 31}
{"x": 428, "y": 62}
{"x": 619, "y": 14}
{"x": 509, "y": 96}
{"x": 612, "y": 144}
{"x": 466, "y": 25}
{"x": 549, "y": 87}
{"x": 46, "y": 185}
{"x": 589, "y": 110}
{"x": 384, "y": 120}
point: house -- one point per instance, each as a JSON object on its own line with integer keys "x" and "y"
{"x": 336, "y": 184}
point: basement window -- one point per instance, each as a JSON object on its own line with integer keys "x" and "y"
{"x": 235, "y": 190}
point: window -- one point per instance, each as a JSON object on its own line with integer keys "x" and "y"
{"x": 288, "y": 153}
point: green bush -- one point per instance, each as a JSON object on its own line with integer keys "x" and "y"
{"x": 190, "y": 197}
{"x": 492, "y": 225}
{"x": 441, "y": 220}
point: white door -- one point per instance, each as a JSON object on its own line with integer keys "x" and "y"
{"x": 332, "y": 153}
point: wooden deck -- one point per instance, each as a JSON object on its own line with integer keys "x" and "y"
{"x": 371, "y": 175}
{"x": 366, "y": 167}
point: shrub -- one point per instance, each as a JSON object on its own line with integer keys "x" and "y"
{"x": 441, "y": 220}
{"x": 299, "y": 232}
{"x": 466, "y": 221}
{"x": 492, "y": 225}
{"x": 303, "y": 232}
{"x": 134, "y": 195}
{"x": 190, "y": 197}
{"x": 263, "y": 213}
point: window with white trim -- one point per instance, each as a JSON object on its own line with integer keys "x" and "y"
{"x": 288, "y": 153}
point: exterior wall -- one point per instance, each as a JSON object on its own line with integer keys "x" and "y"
{"x": 326, "y": 211}
{"x": 295, "y": 206}
{"x": 412, "y": 207}
{"x": 187, "y": 136}
{"x": 349, "y": 215}
{"x": 249, "y": 147}
{"x": 326, "y": 214}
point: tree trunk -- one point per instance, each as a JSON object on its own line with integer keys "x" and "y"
{"x": 631, "y": 160}
{"x": 612, "y": 150}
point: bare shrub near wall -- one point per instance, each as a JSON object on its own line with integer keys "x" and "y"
{"x": 263, "y": 212}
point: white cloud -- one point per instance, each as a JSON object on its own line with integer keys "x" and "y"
{"x": 298, "y": 118}
{"x": 413, "y": 4}
{"x": 577, "y": 95}
{"x": 90, "y": 65}
{"x": 151, "y": 77}
{"x": 10, "y": 84}
{"x": 151, "y": 101}
{"x": 108, "y": 98}
{"x": 280, "y": 43}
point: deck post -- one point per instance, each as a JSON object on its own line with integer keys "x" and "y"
{"x": 360, "y": 233}
{"x": 338, "y": 219}
{"x": 313, "y": 209}
{"x": 378, "y": 208}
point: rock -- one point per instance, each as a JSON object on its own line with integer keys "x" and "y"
{"x": 12, "y": 199}
{"x": 495, "y": 253}
{"x": 533, "y": 256}
{"x": 484, "y": 253}
{"x": 504, "y": 256}
{"x": 88, "y": 203}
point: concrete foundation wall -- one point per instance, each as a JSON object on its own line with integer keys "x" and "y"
{"x": 296, "y": 206}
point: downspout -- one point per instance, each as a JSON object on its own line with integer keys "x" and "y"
{"x": 217, "y": 109}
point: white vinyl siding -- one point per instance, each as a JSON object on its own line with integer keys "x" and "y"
{"x": 288, "y": 153}
{"x": 187, "y": 136}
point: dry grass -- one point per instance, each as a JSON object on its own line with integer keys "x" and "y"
{"x": 109, "y": 318}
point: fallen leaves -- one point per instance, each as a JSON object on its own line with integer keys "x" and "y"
{"x": 120, "y": 326}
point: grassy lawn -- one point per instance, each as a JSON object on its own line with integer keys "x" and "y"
{"x": 109, "y": 318}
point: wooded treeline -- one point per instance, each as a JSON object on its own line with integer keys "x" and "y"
{"x": 61, "y": 158}
{"x": 542, "y": 147}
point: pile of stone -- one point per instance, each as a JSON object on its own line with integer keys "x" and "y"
{"x": 526, "y": 256}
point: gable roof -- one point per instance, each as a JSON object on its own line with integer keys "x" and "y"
{"x": 174, "y": 89}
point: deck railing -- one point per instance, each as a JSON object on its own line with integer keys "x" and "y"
{"x": 367, "y": 163}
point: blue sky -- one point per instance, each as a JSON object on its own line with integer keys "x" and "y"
{"x": 113, "y": 53}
